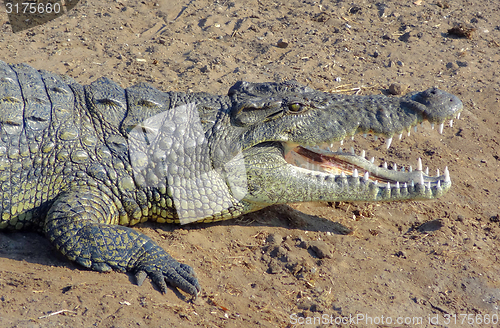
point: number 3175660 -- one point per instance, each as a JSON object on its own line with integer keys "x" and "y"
{"x": 33, "y": 8}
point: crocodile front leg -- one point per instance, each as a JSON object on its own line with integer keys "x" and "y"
{"x": 79, "y": 225}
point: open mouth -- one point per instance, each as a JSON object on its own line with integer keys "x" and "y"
{"x": 341, "y": 163}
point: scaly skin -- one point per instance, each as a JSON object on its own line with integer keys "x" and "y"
{"x": 81, "y": 163}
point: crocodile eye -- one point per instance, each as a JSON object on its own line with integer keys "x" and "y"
{"x": 295, "y": 107}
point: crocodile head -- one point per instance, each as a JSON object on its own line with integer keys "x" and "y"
{"x": 288, "y": 132}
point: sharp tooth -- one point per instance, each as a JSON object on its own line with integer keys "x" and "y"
{"x": 438, "y": 184}
{"x": 375, "y": 138}
{"x": 441, "y": 127}
{"x": 355, "y": 173}
{"x": 397, "y": 184}
{"x": 352, "y": 151}
{"x": 415, "y": 128}
{"x": 331, "y": 145}
{"x": 388, "y": 142}
{"x": 432, "y": 126}
{"x": 366, "y": 176}
{"x": 385, "y": 165}
{"x": 364, "y": 135}
{"x": 342, "y": 174}
{"x": 446, "y": 175}
{"x": 341, "y": 142}
{"x": 437, "y": 172}
{"x": 421, "y": 178}
{"x": 427, "y": 171}
{"x": 352, "y": 137}
{"x": 388, "y": 185}
{"x": 363, "y": 153}
{"x": 372, "y": 160}
{"x": 340, "y": 149}
{"x": 408, "y": 133}
{"x": 412, "y": 184}
{"x": 394, "y": 167}
{"x": 458, "y": 116}
{"x": 410, "y": 169}
{"x": 451, "y": 123}
{"x": 405, "y": 185}
{"x": 419, "y": 164}
{"x": 400, "y": 136}
{"x": 429, "y": 184}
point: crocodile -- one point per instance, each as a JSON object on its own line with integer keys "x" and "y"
{"x": 83, "y": 163}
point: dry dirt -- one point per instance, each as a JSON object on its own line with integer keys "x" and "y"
{"x": 403, "y": 261}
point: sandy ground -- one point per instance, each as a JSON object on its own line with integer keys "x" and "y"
{"x": 287, "y": 265}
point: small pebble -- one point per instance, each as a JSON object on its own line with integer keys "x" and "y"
{"x": 274, "y": 238}
{"x": 282, "y": 43}
{"x": 274, "y": 267}
{"x": 405, "y": 37}
{"x": 321, "y": 249}
{"x": 462, "y": 31}
{"x": 398, "y": 89}
{"x": 431, "y": 226}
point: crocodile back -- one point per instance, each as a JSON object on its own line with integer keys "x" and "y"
{"x": 40, "y": 141}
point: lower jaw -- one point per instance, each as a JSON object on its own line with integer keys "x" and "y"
{"x": 348, "y": 164}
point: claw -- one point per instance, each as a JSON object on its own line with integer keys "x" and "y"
{"x": 140, "y": 276}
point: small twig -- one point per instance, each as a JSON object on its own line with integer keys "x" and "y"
{"x": 55, "y": 313}
{"x": 346, "y": 88}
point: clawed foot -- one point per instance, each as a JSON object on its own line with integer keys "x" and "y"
{"x": 165, "y": 269}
